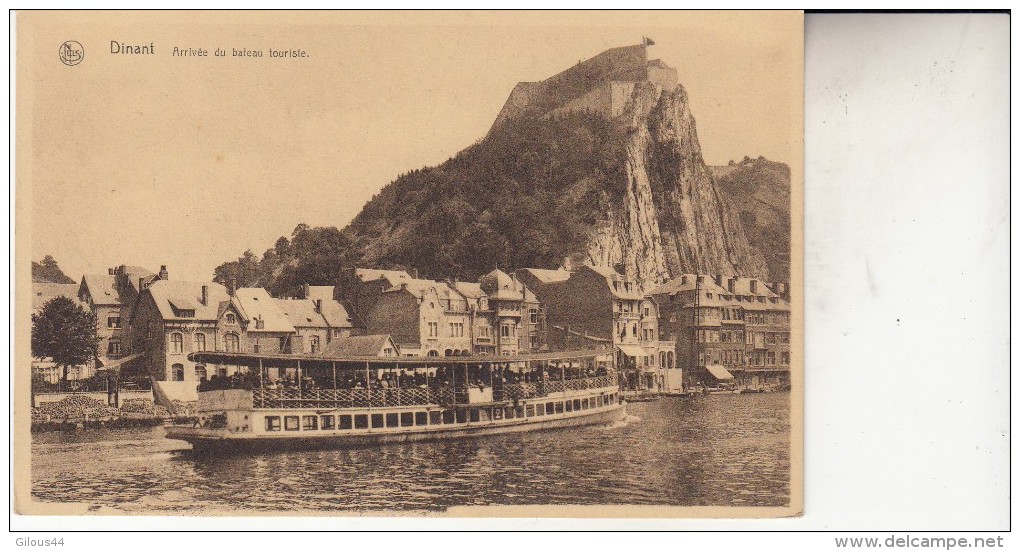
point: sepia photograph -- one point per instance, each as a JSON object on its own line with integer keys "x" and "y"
{"x": 410, "y": 264}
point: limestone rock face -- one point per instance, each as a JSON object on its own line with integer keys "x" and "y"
{"x": 599, "y": 164}
{"x": 672, "y": 219}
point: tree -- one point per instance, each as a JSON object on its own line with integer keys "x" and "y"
{"x": 65, "y": 332}
{"x": 47, "y": 270}
{"x": 245, "y": 270}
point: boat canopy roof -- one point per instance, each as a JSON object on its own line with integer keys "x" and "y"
{"x": 409, "y": 362}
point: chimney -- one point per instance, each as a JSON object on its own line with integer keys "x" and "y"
{"x": 231, "y": 286}
{"x": 683, "y": 279}
{"x": 163, "y": 274}
{"x": 731, "y": 285}
{"x": 754, "y": 286}
{"x": 306, "y": 290}
{"x": 701, "y": 279}
{"x": 141, "y": 284}
{"x": 110, "y": 271}
{"x": 205, "y": 295}
{"x": 318, "y": 305}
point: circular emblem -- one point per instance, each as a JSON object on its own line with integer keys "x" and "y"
{"x": 71, "y": 52}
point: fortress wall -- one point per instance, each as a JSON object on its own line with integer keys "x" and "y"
{"x": 662, "y": 75}
{"x": 621, "y": 93}
{"x": 599, "y": 100}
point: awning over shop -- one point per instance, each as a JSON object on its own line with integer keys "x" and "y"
{"x": 719, "y": 372}
{"x": 631, "y": 350}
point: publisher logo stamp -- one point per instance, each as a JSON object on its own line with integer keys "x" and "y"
{"x": 71, "y": 52}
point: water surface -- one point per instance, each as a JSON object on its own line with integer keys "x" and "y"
{"x": 713, "y": 450}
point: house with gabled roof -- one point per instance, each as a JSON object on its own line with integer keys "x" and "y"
{"x": 171, "y": 319}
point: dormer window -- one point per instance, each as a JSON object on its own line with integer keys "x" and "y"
{"x": 230, "y": 318}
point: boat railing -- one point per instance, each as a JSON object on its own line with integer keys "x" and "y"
{"x": 293, "y": 398}
{"x": 286, "y": 398}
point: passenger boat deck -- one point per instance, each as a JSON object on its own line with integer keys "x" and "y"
{"x": 275, "y": 401}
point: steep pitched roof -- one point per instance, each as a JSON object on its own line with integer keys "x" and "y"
{"x": 261, "y": 311}
{"x": 134, "y": 273}
{"x": 470, "y": 290}
{"x": 392, "y": 277}
{"x": 102, "y": 288}
{"x": 677, "y": 284}
{"x": 365, "y": 345}
{"x": 548, "y": 276}
{"x": 45, "y": 292}
{"x": 617, "y": 282}
{"x": 168, "y": 294}
{"x": 501, "y": 286}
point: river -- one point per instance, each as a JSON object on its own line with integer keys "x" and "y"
{"x": 709, "y": 450}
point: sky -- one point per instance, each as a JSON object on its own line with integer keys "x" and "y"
{"x": 188, "y": 161}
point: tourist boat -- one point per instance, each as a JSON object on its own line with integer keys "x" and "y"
{"x": 365, "y": 401}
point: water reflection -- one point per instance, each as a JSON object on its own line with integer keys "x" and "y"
{"x": 715, "y": 450}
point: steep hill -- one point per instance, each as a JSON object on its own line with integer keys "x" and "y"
{"x": 598, "y": 164}
{"x": 759, "y": 190}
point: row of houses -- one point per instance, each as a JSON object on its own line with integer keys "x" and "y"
{"x": 695, "y": 328}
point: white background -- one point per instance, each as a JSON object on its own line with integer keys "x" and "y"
{"x": 907, "y": 301}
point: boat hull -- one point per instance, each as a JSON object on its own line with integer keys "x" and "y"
{"x": 205, "y": 440}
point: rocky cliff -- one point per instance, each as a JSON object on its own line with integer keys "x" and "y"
{"x": 599, "y": 164}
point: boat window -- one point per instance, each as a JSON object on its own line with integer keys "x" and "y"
{"x": 377, "y": 420}
{"x": 577, "y": 404}
{"x": 509, "y": 413}
{"x": 435, "y": 417}
{"x": 421, "y": 418}
{"x": 519, "y": 412}
{"x": 407, "y": 419}
{"x": 448, "y": 417}
{"x": 570, "y": 406}
{"x": 558, "y": 406}
{"x": 462, "y": 416}
{"x": 474, "y": 415}
{"x": 549, "y": 408}
{"x": 328, "y": 422}
{"x": 345, "y": 422}
{"x": 392, "y": 420}
{"x": 598, "y": 401}
{"x": 530, "y": 410}
{"x": 361, "y": 421}
{"x": 584, "y": 404}
{"x": 291, "y": 422}
{"x": 273, "y": 423}
{"x": 310, "y": 422}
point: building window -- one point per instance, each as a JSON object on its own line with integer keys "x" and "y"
{"x": 113, "y": 347}
{"x": 176, "y": 343}
{"x": 285, "y": 344}
{"x": 231, "y": 343}
{"x": 177, "y": 372}
{"x": 200, "y": 373}
{"x": 113, "y": 322}
{"x": 230, "y": 318}
{"x": 433, "y": 328}
{"x": 313, "y": 344}
{"x": 504, "y": 330}
{"x": 533, "y": 314}
{"x": 199, "y": 342}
